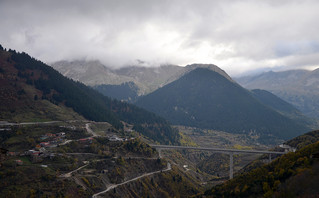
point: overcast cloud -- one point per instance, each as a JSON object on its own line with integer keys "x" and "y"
{"x": 238, "y": 36}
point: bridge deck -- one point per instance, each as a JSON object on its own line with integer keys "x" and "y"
{"x": 221, "y": 150}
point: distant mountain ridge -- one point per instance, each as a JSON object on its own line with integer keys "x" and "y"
{"x": 205, "y": 99}
{"x": 148, "y": 79}
{"x": 284, "y": 108}
{"x": 298, "y": 87}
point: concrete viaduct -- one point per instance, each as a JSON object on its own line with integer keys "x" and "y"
{"x": 230, "y": 152}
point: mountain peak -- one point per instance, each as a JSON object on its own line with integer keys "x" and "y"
{"x": 147, "y": 79}
{"x": 206, "y": 99}
{"x": 210, "y": 67}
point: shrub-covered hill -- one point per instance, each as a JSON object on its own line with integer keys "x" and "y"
{"x": 173, "y": 183}
{"x": 304, "y": 140}
{"x": 205, "y": 99}
{"x": 25, "y": 81}
{"x": 291, "y": 175}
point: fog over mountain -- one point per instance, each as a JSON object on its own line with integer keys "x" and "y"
{"x": 238, "y": 36}
{"x": 147, "y": 79}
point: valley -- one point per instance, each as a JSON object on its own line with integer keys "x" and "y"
{"x": 99, "y": 165}
{"x": 60, "y": 138}
{"x": 209, "y": 167}
{"x": 159, "y": 99}
{"x": 89, "y": 156}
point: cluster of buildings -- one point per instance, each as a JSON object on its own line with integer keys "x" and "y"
{"x": 115, "y": 138}
{"x": 86, "y": 140}
{"x": 52, "y": 139}
{"x": 37, "y": 155}
{"x": 39, "y": 152}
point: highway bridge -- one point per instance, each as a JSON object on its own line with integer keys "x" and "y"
{"x": 230, "y": 152}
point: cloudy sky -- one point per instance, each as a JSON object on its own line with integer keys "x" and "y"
{"x": 238, "y": 36}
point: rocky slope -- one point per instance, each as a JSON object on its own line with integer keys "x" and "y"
{"x": 148, "y": 79}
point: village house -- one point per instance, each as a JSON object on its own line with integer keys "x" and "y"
{"x": 45, "y": 144}
{"x": 44, "y": 137}
{"x": 61, "y": 134}
{"x": 52, "y": 143}
{"x": 86, "y": 140}
{"x": 115, "y": 138}
{"x": 52, "y": 135}
{"x": 42, "y": 150}
{"x": 32, "y": 152}
{"x": 19, "y": 162}
{"x": 38, "y": 154}
{"x": 287, "y": 148}
{"x": 47, "y": 135}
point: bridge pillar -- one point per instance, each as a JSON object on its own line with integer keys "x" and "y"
{"x": 159, "y": 152}
{"x": 231, "y": 166}
{"x": 269, "y": 157}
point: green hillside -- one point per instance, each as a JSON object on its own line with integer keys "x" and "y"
{"x": 26, "y": 81}
{"x": 205, "y": 99}
{"x": 291, "y": 175}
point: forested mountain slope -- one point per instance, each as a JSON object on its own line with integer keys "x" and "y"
{"x": 205, "y": 99}
{"x": 30, "y": 80}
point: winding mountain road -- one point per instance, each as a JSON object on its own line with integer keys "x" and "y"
{"x": 5, "y": 123}
{"x": 112, "y": 186}
{"x": 89, "y": 130}
{"x": 69, "y": 174}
